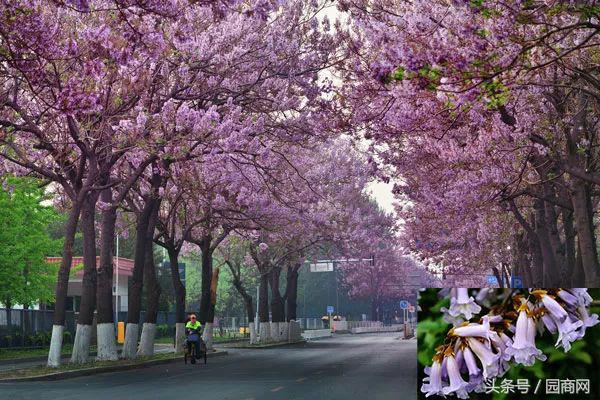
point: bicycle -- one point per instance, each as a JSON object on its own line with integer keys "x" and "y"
{"x": 195, "y": 350}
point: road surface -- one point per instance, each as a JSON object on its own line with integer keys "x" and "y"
{"x": 346, "y": 367}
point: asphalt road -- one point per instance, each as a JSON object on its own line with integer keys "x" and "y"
{"x": 368, "y": 366}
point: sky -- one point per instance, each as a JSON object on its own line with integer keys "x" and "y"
{"x": 382, "y": 192}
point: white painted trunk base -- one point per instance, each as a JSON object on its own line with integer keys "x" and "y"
{"x": 129, "y": 351}
{"x": 146, "y": 347}
{"x": 81, "y": 345}
{"x": 107, "y": 345}
{"x": 253, "y": 335}
{"x": 264, "y": 332}
{"x": 179, "y": 337}
{"x": 274, "y": 332}
{"x": 295, "y": 332}
{"x": 55, "y": 346}
{"x": 284, "y": 331}
{"x": 207, "y": 335}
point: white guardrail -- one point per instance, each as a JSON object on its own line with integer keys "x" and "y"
{"x": 317, "y": 334}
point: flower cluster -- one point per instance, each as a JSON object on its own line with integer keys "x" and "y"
{"x": 478, "y": 348}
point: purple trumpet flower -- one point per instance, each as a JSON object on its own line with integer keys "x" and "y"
{"x": 500, "y": 345}
{"x": 489, "y": 360}
{"x": 482, "y": 294}
{"x": 568, "y": 332}
{"x": 523, "y": 348}
{"x": 457, "y": 383}
{"x": 583, "y": 295}
{"x": 477, "y": 330}
{"x": 463, "y": 304}
{"x": 432, "y": 385}
{"x": 555, "y": 309}
{"x": 454, "y": 320}
{"x": 549, "y": 323}
{"x": 568, "y": 298}
{"x": 475, "y": 376}
{"x": 587, "y": 319}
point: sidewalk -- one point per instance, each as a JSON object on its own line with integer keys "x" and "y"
{"x": 24, "y": 363}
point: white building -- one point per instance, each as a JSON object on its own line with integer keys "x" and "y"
{"x": 122, "y": 270}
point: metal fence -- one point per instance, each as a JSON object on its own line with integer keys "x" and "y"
{"x": 33, "y": 328}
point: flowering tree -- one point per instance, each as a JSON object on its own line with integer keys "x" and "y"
{"x": 94, "y": 92}
{"x": 483, "y": 112}
{"x": 497, "y": 329}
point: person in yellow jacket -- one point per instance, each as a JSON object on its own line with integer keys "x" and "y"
{"x": 193, "y": 331}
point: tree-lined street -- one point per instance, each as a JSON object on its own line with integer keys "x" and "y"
{"x": 367, "y": 366}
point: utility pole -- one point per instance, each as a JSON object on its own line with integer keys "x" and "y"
{"x": 117, "y": 284}
{"x": 257, "y": 304}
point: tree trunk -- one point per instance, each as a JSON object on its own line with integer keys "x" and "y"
{"x": 551, "y": 271}
{"x": 134, "y": 300}
{"x": 580, "y": 196}
{"x": 208, "y": 331}
{"x": 152, "y": 287}
{"x": 374, "y": 310}
{"x": 8, "y": 304}
{"x": 537, "y": 259}
{"x": 205, "y": 303}
{"x": 585, "y": 234}
{"x": 498, "y": 276}
{"x": 277, "y": 306}
{"x": 578, "y": 274}
{"x": 179, "y": 290}
{"x": 105, "y": 330}
{"x": 291, "y": 293}
{"x": 263, "y": 306}
{"x": 152, "y": 290}
{"x": 570, "y": 254}
{"x": 81, "y": 344}
{"x": 263, "y": 298}
{"x": 248, "y": 305}
{"x": 62, "y": 286}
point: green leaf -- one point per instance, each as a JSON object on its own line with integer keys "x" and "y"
{"x": 582, "y": 356}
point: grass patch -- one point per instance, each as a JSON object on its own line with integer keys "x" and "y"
{"x": 8, "y": 354}
{"x": 43, "y": 370}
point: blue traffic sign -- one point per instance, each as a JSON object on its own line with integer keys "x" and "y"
{"x": 516, "y": 282}
{"x": 492, "y": 280}
{"x": 404, "y": 304}
{"x": 329, "y": 309}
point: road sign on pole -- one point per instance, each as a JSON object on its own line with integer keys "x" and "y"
{"x": 321, "y": 267}
{"x": 329, "y": 309}
{"x": 404, "y": 304}
{"x": 516, "y": 282}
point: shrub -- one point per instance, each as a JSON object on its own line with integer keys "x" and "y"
{"x": 29, "y": 340}
{"x": 163, "y": 330}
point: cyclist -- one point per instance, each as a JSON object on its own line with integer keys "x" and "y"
{"x": 193, "y": 331}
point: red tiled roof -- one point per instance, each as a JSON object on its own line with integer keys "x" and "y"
{"x": 125, "y": 264}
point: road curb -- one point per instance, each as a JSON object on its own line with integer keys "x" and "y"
{"x": 99, "y": 370}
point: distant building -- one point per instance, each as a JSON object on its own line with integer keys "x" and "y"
{"x": 125, "y": 270}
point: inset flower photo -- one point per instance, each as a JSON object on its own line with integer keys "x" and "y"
{"x": 487, "y": 343}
